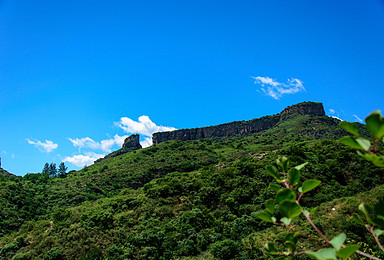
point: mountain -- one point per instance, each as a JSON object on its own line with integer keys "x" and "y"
{"x": 192, "y": 199}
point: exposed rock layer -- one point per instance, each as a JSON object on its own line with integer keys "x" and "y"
{"x": 240, "y": 127}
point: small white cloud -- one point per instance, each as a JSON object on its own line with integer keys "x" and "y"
{"x": 81, "y": 160}
{"x": 358, "y": 118}
{"x": 331, "y": 111}
{"x": 4, "y": 152}
{"x": 143, "y": 126}
{"x": 47, "y": 146}
{"x": 104, "y": 145}
{"x": 275, "y": 89}
{"x": 13, "y": 156}
{"x": 146, "y": 142}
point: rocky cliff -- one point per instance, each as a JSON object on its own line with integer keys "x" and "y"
{"x": 240, "y": 127}
{"x": 305, "y": 108}
{"x": 132, "y": 142}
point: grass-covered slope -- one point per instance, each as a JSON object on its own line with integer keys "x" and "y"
{"x": 178, "y": 199}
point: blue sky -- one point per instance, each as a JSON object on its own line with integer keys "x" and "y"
{"x": 76, "y": 77}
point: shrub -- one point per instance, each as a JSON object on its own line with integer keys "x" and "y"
{"x": 225, "y": 249}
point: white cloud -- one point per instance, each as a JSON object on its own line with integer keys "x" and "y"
{"x": 358, "y": 118}
{"x": 13, "y": 156}
{"x": 275, "y": 89}
{"x": 81, "y": 160}
{"x": 331, "y": 111}
{"x": 143, "y": 126}
{"x": 104, "y": 145}
{"x": 4, "y": 152}
{"x": 146, "y": 142}
{"x": 48, "y": 146}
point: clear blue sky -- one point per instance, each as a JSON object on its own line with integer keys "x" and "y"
{"x": 75, "y": 76}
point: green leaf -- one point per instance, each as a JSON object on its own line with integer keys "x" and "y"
{"x": 351, "y": 142}
{"x": 349, "y": 127}
{"x": 283, "y": 163}
{"x": 364, "y": 143}
{"x": 338, "y": 241}
{"x": 378, "y": 231}
{"x": 285, "y": 194}
{"x": 299, "y": 167}
{"x": 264, "y": 216}
{"x": 324, "y": 254}
{"x": 270, "y": 248}
{"x": 347, "y": 251}
{"x": 310, "y": 185}
{"x": 366, "y": 210}
{"x": 358, "y": 219}
{"x": 375, "y": 124}
{"x": 291, "y": 246}
{"x": 379, "y": 208}
{"x": 272, "y": 170}
{"x": 300, "y": 189}
{"x": 291, "y": 241}
{"x": 270, "y": 205}
{"x": 293, "y": 176}
{"x": 313, "y": 211}
{"x": 286, "y": 221}
{"x": 375, "y": 159}
{"x": 274, "y": 187}
{"x": 378, "y": 221}
{"x": 290, "y": 209}
{"x": 292, "y": 237}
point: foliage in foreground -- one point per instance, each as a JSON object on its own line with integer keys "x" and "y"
{"x": 287, "y": 199}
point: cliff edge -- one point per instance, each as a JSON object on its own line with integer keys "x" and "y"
{"x": 240, "y": 127}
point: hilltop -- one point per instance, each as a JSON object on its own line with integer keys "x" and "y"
{"x": 243, "y": 128}
{"x": 5, "y": 173}
{"x": 178, "y": 199}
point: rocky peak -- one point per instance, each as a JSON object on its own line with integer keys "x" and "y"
{"x": 304, "y": 108}
{"x": 132, "y": 142}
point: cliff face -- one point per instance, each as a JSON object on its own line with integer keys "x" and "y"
{"x": 132, "y": 142}
{"x": 305, "y": 108}
{"x": 224, "y": 130}
{"x": 240, "y": 127}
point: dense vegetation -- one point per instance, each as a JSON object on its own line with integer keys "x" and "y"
{"x": 187, "y": 200}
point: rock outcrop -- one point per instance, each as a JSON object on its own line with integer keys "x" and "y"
{"x": 305, "y": 108}
{"x": 132, "y": 142}
{"x": 240, "y": 127}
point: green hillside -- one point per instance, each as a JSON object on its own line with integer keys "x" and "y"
{"x": 186, "y": 199}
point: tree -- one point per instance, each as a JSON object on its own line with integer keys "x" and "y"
{"x": 62, "y": 170}
{"x": 52, "y": 170}
{"x": 45, "y": 169}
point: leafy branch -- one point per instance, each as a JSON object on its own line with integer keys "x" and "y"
{"x": 288, "y": 196}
